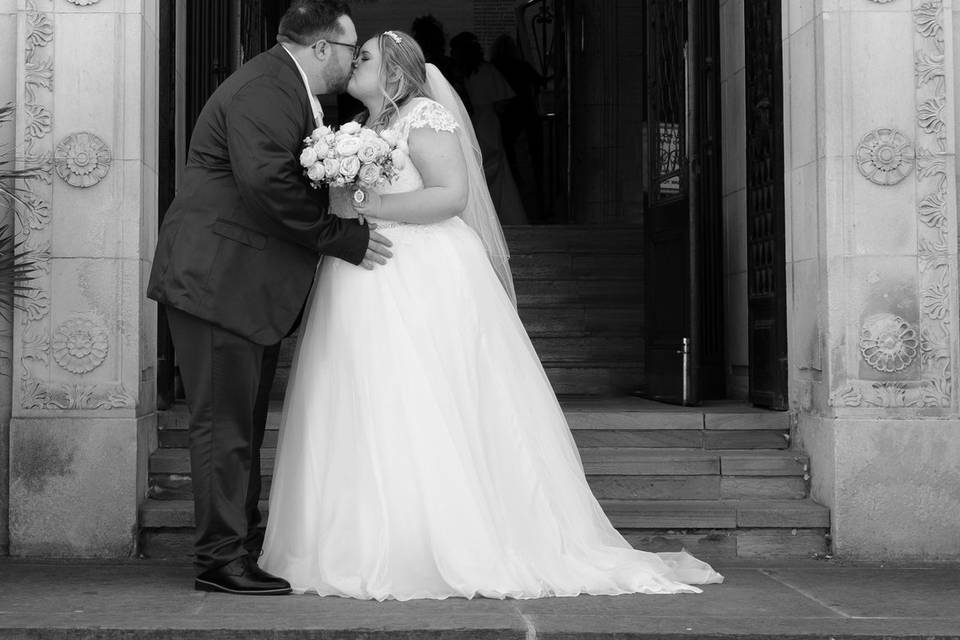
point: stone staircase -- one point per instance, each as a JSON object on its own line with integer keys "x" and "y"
{"x": 580, "y": 296}
{"x": 719, "y": 481}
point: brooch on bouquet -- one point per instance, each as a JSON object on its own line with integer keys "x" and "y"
{"x": 351, "y": 156}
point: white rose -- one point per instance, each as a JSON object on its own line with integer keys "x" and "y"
{"x": 348, "y": 146}
{"x": 320, "y": 132}
{"x": 350, "y": 128}
{"x": 349, "y": 167}
{"x": 331, "y": 166}
{"x": 367, "y": 134}
{"x": 399, "y": 159}
{"x": 330, "y": 138}
{"x": 369, "y": 175}
{"x": 322, "y": 149}
{"x": 316, "y": 172}
{"x": 308, "y": 158}
{"x": 368, "y": 152}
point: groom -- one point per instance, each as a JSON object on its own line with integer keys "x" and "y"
{"x": 234, "y": 264}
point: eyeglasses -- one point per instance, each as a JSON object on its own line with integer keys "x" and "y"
{"x": 355, "y": 46}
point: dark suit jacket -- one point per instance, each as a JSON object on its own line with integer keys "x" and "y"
{"x": 239, "y": 245}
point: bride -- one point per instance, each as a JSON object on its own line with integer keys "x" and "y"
{"x": 422, "y": 451}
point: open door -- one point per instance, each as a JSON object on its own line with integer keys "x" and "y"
{"x": 683, "y": 220}
{"x": 766, "y": 274}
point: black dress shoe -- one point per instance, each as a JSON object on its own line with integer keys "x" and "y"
{"x": 243, "y": 577}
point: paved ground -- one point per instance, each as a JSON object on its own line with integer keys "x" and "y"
{"x": 783, "y": 600}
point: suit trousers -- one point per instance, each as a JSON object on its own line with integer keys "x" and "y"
{"x": 227, "y": 380}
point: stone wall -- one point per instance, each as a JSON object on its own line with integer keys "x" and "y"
{"x": 872, "y": 270}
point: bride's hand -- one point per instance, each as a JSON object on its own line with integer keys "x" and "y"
{"x": 369, "y": 206}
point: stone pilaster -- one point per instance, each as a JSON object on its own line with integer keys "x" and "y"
{"x": 84, "y": 343}
{"x": 874, "y": 270}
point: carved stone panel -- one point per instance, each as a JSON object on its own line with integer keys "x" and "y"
{"x": 52, "y": 353}
{"x": 907, "y": 349}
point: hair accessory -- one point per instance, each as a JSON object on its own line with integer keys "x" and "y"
{"x": 395, "y": 37}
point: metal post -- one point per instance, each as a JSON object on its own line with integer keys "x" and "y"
{"x": 685, "y": 356}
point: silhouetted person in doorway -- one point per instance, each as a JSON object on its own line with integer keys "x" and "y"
{"x": 489, "y": 95}
{"x": 520, "y": 120}
{"x": 428, "y": 32}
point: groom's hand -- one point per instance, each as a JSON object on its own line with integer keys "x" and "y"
{"x": 378, "y": 251}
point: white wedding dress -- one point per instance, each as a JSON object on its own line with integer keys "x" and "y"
{"x": 422, "y": 451}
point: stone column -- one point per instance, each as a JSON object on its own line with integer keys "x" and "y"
{"x": 84, "y": 344}
{"x": 872, "y": 219}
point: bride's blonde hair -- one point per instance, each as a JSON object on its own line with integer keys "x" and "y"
{"x": 402, "y": 58}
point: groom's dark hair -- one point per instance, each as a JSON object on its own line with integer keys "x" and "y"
{"x": 307, "y": 21}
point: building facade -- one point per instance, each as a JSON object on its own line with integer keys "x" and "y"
{"x": 853, "y": 211}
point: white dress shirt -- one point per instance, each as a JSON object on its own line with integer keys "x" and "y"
{"x": 314, "y": 102}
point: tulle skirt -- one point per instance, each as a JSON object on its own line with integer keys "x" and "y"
{"x": 423, "y": 453}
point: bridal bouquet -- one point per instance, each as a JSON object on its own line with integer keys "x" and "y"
{"x": 351, "y": 156}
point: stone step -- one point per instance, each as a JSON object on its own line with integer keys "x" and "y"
{"x": 574, "y": 266}
{"x": 682, "y": 438}
{"x": 589, "y": 349}
{"x": 592, "y": 378}
{"x": 595, "y": 378}
{"x": 560, "y": 291}
{"x": 574, "y": 239}
{"x": 679, "y": 438}
{"x": 710, "y": 544}
{"x": 166, "y": 526}
{"x": 707, "y": 544}
{"x": 623, "y": 413}
{"x": 605, "y": 422}
{"x": 598, "y": 461}
{"x": 554, "y": 321}
{"x": 624, "y": 514}
{"x": 623, "y": 461}
{"x": 707, "y": 487}
{"x": 560, "y": 349}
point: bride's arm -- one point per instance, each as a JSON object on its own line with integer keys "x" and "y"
{"x": 438, "y": 157}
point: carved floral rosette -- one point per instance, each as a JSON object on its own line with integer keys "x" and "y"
{"x": 82, "y": 159}
{"x": 885, "y": 157}
{"x": 76, "y": 346}
{"x": 887, "y": 343}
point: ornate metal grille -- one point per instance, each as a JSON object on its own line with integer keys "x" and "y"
{"x": 540, "y": 27}
{"x": 666, "y": 70}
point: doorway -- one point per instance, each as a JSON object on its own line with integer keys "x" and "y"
{"x": 619, "y": 137}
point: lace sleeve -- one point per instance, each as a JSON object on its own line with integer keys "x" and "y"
{"x": 432, "y": 114}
